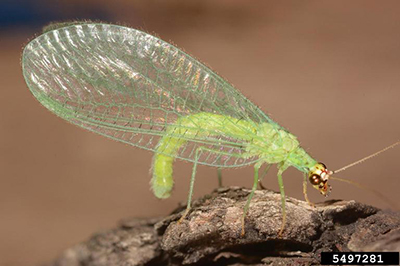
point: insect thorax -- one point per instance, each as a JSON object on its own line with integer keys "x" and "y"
{"x": 275, "y": 145}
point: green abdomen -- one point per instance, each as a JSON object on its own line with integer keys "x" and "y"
{"x": 197, "y": 126}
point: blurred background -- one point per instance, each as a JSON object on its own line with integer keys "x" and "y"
{"x": 329, "y": 71}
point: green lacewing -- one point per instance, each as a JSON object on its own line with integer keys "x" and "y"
{"x": 135, "y": 88}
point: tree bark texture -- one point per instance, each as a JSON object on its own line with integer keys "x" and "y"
{"x": 210, "y": 234}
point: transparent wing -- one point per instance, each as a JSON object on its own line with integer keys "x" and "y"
{"x": 131, "y": 86}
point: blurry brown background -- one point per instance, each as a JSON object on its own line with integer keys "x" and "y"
{"x": 329, "y": 71}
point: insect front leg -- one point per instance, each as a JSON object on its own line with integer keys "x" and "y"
{"x": 255, "y": 183}
{"x": 305, "y": 191}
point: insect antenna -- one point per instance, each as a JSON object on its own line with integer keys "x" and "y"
{"x": 373, "y": 191}
{"x": 377, "y": 193}
{"x": 366, "y": 158}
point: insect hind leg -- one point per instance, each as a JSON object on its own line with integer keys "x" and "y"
{"x": 189, "y": 201}
{"x": 255, "y": 183}
{"x": 198, "y": 152}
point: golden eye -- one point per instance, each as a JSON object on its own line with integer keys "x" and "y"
{"x": 315, "y": 179}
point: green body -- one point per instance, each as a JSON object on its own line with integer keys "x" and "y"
{"x": 270, "y": 144}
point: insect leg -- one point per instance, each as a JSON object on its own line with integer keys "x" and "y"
{"x": 282, "y": 168}
{"x": 197, "y": 157}
{"x": 219, "y": 173}
{"x": 262, "y": 176}
{"x": 246, "y": 207}
{"x": 305, "y": 190}
{"x": 189, "y": 201}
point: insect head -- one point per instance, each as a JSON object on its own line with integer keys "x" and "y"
{"x": 318, "y": 177}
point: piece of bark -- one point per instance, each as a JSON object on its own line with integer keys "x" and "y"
{"x": 210, "y": 234}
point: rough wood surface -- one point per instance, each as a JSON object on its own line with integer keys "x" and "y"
{"x": 211, "y": 234}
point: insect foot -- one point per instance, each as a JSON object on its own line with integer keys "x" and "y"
{"x": 183, "y": 216}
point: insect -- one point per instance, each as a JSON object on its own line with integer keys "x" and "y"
{"x": 135, "y": 88}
